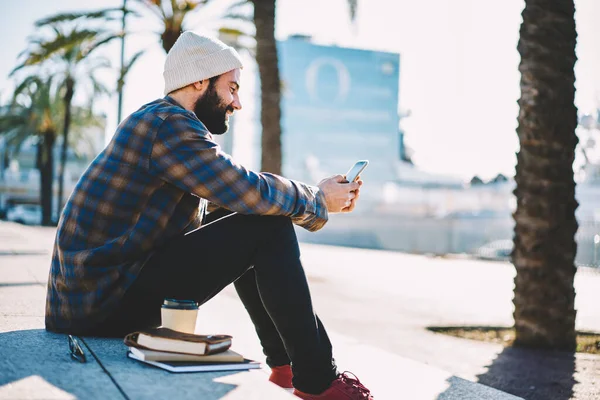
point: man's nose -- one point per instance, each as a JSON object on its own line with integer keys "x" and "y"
{"x": 237, "y": 104}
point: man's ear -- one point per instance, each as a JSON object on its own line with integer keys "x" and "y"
{"x": 200, "y": 84}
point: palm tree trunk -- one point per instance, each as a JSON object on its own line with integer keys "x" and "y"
{"x": 270, "y": 86}
{"x": 169, "y": 37}
{"x": 544, "y": 240}
{"x": 70, "y": 89}
{"x": 46, "y": 168}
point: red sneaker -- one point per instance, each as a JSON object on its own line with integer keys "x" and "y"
{"x": 345, "y": 387}
{"x": 282, "y": 376}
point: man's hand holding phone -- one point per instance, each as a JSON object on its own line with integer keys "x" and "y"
{"x": 341, "y": 194}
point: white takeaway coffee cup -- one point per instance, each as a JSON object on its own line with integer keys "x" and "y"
{"x": 179, "y": 315}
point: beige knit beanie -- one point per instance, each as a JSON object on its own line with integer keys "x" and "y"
{"x": 194, "y": 58}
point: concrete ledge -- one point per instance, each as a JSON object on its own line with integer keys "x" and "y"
{"x": 35, "y": 364}
{"x": 141, "y": 381}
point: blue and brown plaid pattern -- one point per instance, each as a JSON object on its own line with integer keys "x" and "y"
{"x": 150, "y": 184}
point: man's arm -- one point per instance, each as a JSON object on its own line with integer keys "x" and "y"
{"x": 184, "y": 155}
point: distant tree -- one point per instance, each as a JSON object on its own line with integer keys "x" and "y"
{"x": 34, "y": 113}
{"x": 499, "y": 179}
{"x": 171, "y": 16}
{"x": 67, "y": 52}
{"x": 544, "y": 240}
{"x": 476, "y": 181}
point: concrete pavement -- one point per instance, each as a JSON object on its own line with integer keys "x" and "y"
{"x": 35, "y": 364}
{"x": 376, "y": 306}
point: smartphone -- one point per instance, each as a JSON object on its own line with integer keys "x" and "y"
{"x": 356, "y": 169}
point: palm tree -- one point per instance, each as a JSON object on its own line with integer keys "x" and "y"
{"x": 34, "y": 112}
{"x": 68, "y": 52}
{"x": 270, "y": 85}
{"x": 102, "y": 17}
{"x": 170, "y": 14}
{"x": 545, "y": 248}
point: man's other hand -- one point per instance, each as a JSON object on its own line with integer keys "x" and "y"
{"x": 340, "y": 195}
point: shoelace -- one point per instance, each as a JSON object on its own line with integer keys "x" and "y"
{"x": 352, "y": 380}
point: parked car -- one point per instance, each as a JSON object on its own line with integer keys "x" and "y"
{"x": 25, "y": 214}
{"x": 496, "y": 250}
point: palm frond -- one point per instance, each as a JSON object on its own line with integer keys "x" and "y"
{"x": 130, "y": 63}
{"x": 189, "y": 5}
{"x": 238, "y": 4}
{"x": 38, "y": 114}
{"x": 108, "y": 14}
{"x": 32, "y": 59}
{"x": 239, "y": 16}
{"x": 15, "y": 138}
{"x": 61, "y": 44}
{"x": 17, "y": 142}
{"x": 7, "y": 134}
{"x": 87, "y": 50}
{"x": 72, "y": 39}
{"x": 155, "y": 6}
{"x": 98, "y": 87}
{"x": 237, "y": 38}
{"x": 10, "y": 122}
{"x": 26, "y": 84}
{"x": 10, "y": 135}
{"x": 96, "y": 63}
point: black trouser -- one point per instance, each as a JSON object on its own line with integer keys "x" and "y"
{"x": 261, "y": 255}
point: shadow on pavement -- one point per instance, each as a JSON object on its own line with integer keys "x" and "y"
{"x": 35, "y": 353}
{"x": 37, "y": 364}
{"x": 532, "y": 374}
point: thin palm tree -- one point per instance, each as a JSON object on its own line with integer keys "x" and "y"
{"x": 33, "y": 113}
{"x": 270, "y": 82}
{"x": 68, "y": 53}
{"x": 270, "y": 85}
{"x": 544, "y": 240}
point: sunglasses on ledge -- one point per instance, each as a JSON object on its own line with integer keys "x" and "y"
{"x": 76, "y": 350}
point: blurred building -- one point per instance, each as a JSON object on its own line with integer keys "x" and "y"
{"x": 339, "y": 105}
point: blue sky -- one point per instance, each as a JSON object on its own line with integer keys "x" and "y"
{"x": 459, "y": 62}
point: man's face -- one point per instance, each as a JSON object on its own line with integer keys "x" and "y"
{"x": 219, "y": 100}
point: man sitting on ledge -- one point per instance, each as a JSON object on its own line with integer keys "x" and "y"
{"x": 135, "y": 229}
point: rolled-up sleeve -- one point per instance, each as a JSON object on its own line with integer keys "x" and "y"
{"x": 184, "y": 155}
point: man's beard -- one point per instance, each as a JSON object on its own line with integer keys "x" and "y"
{"x": 212, "y": 111}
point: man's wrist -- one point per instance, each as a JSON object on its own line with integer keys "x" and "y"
{"x": 321, "y": 210}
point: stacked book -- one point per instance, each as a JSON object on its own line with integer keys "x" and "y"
{"x": 184, "y": 352}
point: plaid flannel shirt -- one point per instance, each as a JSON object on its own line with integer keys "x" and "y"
{"x": 150, "y": 184}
